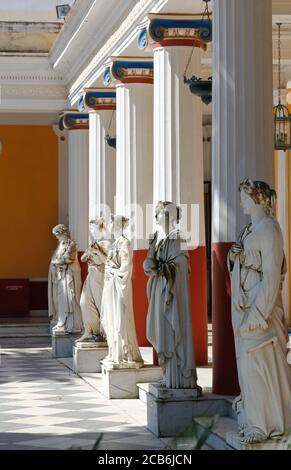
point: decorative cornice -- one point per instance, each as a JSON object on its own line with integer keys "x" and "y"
{"x": 116, "y": 44}
{"x": 98, "y": 99}
{"x": 73, "y": 120}
{"x": 176, "y": 30}
{"x": 129, "y": 70}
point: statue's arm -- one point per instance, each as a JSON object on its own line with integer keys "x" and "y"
{"x": 69, "y": 254}
{"x": 150, "y": 264}
{"x": 271, "y": 248}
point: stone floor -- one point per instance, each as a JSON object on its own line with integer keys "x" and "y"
{"x": 43, "y": 405}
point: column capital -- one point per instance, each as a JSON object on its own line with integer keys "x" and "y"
{"x": 73, "y": 120}
{"x": 175, "y": 30}
{"x": 95, "y": 99}
{"x": 127, "y": 69}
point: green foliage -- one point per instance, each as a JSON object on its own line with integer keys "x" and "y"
{"x": 193, "y": 437}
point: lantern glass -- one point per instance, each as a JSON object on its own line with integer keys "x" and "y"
{"x": 282, "y": 128}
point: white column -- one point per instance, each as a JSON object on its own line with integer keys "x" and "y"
{"x": 242, "y": 106}
{"x": 283, "y": 217}
{"x": 79, "y": 186}
{"x": 134, "y": 158}
{"x": 242, "y": 147}
{"x": 102, "y": 164}
{"x": 62, "y": 174}
{"x": 178, "y": 147}
{"x": 178, "y": 141}
{"x": 133, "y": 77}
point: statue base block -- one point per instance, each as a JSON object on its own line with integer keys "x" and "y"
{"x": 170, "y": 411}
{"x": 233, "y": 439}
{"x": 62, "y": 344}
{"x": 122, "y": 383}
{"x": 88, "y": 359}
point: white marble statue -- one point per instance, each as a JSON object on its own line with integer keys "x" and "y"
{"x": 117, "y": 309}
{"x": 257, "y": 267}
{"x": 65, "y": 284}
{"x": 169, "y": 325}
{"x": 91, "y": 296}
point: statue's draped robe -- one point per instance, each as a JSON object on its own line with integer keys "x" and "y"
{"x": 169, "y": 325}
{"x": 91, "y": 296}
{"x": 117, "y": 309}
{"x": 257, "y": 274}
{"x": 65, "y": 287}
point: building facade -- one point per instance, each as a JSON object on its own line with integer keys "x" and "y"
{"x": 118, "y": 70}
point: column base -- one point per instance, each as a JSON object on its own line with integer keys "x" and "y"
{"x": 62, "y": 344}
{"x": 122, "y": 383}
{"x": 88, "y": 359}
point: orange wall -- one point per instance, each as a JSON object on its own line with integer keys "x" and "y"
{"x": 28, "y": 199}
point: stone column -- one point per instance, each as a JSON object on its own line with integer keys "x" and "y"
{"x": 178, "y": 147}
{"x": 77, "y": 125}
{"x": 133, "y": 78}
{"x": 242, "y": 147}
{"x": 63, "y": 174}
{"x": 101, "y": 104}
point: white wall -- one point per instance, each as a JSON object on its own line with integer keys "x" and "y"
{"x": 30, "y": 10}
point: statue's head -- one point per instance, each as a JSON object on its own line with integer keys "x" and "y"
{"x": 257, "y": 193}
{"x": 118, "y": 223}
{"x": 167, "y": 213}
{"x": 97, "y": 227}
{"x": 61, "y": 231}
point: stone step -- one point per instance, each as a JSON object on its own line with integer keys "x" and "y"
{"x": 12, "y": 330}
{"x": 24, "y": 340}
{"x": 217, "y": 437}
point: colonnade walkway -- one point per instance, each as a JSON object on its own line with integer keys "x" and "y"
{"x": 44, "y": 405}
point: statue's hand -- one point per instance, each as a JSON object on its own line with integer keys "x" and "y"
{"x": 253, "y": 321}
{"x": 235, "y": 250}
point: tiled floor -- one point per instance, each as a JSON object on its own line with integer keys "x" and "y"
{"x": 43, "y": 405}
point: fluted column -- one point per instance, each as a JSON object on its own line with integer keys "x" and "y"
{"x": 133, "y": 78}
{"x": 77, "y": 125}
{"x": 101, "y": 105}
{"x": 178, "y": 146}
{"x": 242, "y": 147}
{"x": 63, "y": 176}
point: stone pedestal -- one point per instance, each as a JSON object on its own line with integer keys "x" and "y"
{"x": 122, "y": 383}
{"x": 62, "y": 344}
{"x": 88, "y": 357}
{"x": 170, "y": 411}
{"x": 233, "y": 439}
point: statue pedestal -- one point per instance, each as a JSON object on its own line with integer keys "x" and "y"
{"x": 122, "y": 382}
{"x": 62, "y": 344}
{"x": 88, "y": 356}
{"x": 233, "y": 439}
{"x": 170, "y": 411}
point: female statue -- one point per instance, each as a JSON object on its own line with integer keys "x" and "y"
{"x": 65, "y": 284}
{"x": 257, "y": 267}
{"x": 117, "y": 309}
{"x": 91, "y": 296}
{"x": 169, "y": 326}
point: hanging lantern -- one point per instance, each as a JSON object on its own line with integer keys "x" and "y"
{"x": 111, "y": 141}
{"x": 198, "y": 86}
{"x": 282, "y": 128}
{"x": 282, "y": 118}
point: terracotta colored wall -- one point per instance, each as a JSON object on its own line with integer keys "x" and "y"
{"x": 28, "y": 199}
